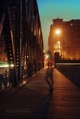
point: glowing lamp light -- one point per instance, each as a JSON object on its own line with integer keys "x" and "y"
{"x": 12, "y": 65}
{"x": 4, "y": 65}
{"x": 58, "y": 31}
{"x": 47, "y": 56}
{"x": 24, "y": 82}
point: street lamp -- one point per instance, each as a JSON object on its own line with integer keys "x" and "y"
{"x": 58, "y": 32}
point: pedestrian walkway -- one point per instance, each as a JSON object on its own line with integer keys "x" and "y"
{"x": 32, "y": 100}
{"x": 65, "y": 101}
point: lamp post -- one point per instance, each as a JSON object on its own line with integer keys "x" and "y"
{"x": 58, "y": 44}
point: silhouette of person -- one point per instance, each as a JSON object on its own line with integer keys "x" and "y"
{"x": 49, "y": 76}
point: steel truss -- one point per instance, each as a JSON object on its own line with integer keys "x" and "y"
{"x": 21, "y": 28}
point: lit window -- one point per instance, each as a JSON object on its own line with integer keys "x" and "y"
{"x": 71, "y": 24}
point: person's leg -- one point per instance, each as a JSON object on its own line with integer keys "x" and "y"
{"x": 50, "y": 79}
{"x": 49, "y": 83}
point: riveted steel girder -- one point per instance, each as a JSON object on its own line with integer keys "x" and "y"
{"x": 20, "y": 24}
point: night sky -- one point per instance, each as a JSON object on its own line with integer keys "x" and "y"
{"x": 52, "y": 9}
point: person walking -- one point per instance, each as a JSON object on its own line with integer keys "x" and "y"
{"x": 49, "y": 75}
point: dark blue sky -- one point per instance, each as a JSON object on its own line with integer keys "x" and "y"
{"x": 52, "y": 9}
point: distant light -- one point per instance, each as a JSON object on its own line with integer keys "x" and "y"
{"x": 47, "y": 56}
{"x": 71, "y": 24}
{"x": 12, "y": 65}
{"x": 58, "y": 42}
{"x": 4, "y": 65}
{"x": 24, "y": 82}
{"x": 58, "y": 31}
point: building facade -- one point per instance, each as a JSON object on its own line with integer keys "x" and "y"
{"x": 64, "y": 38}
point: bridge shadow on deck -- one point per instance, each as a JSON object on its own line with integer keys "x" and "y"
{"x": 42, "y": 111}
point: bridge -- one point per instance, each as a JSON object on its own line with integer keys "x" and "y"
{"x": 20, "y": 29}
